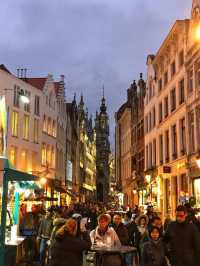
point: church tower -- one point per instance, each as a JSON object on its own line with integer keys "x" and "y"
{"x": 102, "y": 152}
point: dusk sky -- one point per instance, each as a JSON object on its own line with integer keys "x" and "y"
{"x": 91, "y": 42}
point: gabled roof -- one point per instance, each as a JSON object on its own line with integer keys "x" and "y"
{"x": 4, "y": 68}
{"x": 36, "y": 82}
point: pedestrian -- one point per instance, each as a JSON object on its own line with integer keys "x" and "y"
{"x": 58, "y": 222}
{"x": 157, "y": 222}
{"x": 183, "y": 241}
{"x": 68, "y": 247}
{"x": 105, "y": 236}
{"x": 120, "y": 229}
{"x": 153, "y": 253}
{"x": 141, "y": 235}
{"x": 44, "y": 235}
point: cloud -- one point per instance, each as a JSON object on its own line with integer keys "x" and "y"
{"x": 92, "y": 42}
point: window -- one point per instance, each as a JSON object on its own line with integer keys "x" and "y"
{"x": 24, "y": 160}
{"x": 154, "y": 117}
{"x": 15, "y": 123}
{"x": 27, "y": 105}
{"x": 53, "y": 157}
{"x": 54, "y": 128}
{"x": 146, "y": 124}
{"x": 174, "y": 142}
{"x": 26, "y": 127}
{"x": 165, "y": 78}
{"x": 160, "y": 85}
{"x": 173, "y": 100}
{"x": 184, "y": 183}
{"x": 44, "y": 123}
{"x": 154, "y": 152}
{"x": 190, "y": 80}
{"x": 161, "y": 148}
{"x": 198, "y": 75}
{"x": 16, "y": 96}
{"x": 166, "y": 106}
{"x": 167, "y": 146}
{"x": 160, "y": 113}
{"x": 37, "y": 105}
{"x": 150, "y": 122}
{"x": 181, "y": 92}
{"x": 150, "y": 155}
{"x": 181, "y": 58}
{"x": 173, "y": 69}
{"x": 44, "y": 154}
{"x": 191, "y": 131}
{"x": 49, "y": 129}
{"x": 147, "y": 157}
{"x": 182, "y": 136}
{"x": 36, "y": 131}
{"x": 48, "y": 155}
{"x": 13, "y": 155}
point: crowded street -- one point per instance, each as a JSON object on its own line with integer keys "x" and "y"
{"x": 92, "y": 234}
{"x": 100, "y": 133}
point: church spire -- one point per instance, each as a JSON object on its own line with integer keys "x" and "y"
{"x": 195, "y": 9}
{"x": 103, "y": 107}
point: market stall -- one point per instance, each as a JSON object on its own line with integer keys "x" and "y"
{"x": 11, "y": 182}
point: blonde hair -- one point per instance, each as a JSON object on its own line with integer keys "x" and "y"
{"x": 70, "y": 226}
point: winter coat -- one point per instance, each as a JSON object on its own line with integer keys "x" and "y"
{"x": 108, "y": 238}
{"x": 57, "y": 223}
{"x": 153, "y": 254}
{"x": 132, "y": 229}
{"x": 45, "y": 228}
{"x": 183, "y": 242}
{"x": 122, "y": 233}
{"x": 68, "y": 250}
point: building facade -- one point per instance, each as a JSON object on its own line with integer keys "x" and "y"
{"x": 102, "y": 153}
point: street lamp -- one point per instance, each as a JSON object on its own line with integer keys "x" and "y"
{"x": 197, "y": 33}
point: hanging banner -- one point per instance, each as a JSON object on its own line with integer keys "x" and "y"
{"x": 3, "y": 123}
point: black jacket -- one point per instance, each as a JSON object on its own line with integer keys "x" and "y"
{"x": 153, "y": 254}
{"x": 183, "y": 241}
{"x": 68, "y": 250}
{"x": 122, "y": 233}
{"x": 132, "y": 229}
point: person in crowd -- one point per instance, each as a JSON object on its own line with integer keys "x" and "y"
{"x": 153, "y": 253}
{"x": 157, "y": 222}
{"x": 150, "y": 213}
{"x": 93, "y": 219}
{"x": 141, "y": 235}
{"x": 68, "y": 247}
{"x": 44, "y": 235}
{"x": 183, "y": 241}
{"x": 167, "y": 221}
{"x": 58, "y": 222}
{"x": 120, "y": 229}
{"x": 191, "y": 217}
{"x": 131, "y": 227}
{"x": 105, "y": 236}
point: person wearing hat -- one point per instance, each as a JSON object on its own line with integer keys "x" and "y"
{"x": 153, "y": 253}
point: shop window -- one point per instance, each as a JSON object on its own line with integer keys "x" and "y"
{"x": 26, "y": 127}
{"x": 15, "y": 123}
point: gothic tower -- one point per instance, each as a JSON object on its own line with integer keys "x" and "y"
{"x": 102, "y": 152}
